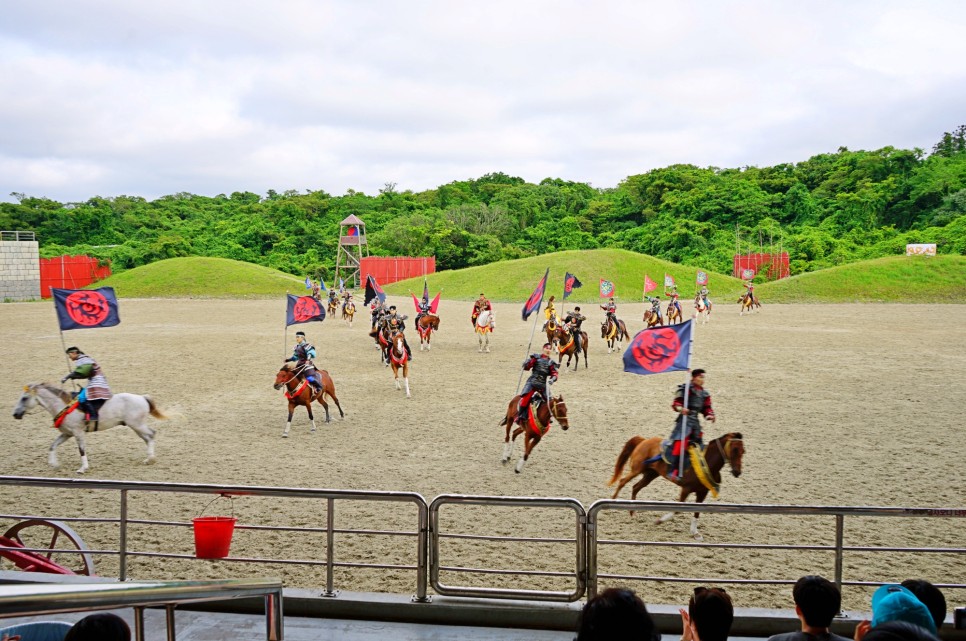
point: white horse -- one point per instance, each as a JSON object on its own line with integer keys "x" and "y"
{"x": 485, "y": 323}
{"x": 122, "y": 409}
{"x": 701, "y": 311}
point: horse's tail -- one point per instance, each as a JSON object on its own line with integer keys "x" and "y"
{"x": 625, "y": 454}
{"x": 155, "y": 412}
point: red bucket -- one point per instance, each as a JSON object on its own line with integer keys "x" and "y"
{"x": 213, "y": 536}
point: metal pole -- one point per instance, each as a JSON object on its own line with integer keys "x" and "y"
{"x": 329, "y": 545}
{"x": 422, "y": 557}
{"x": 122, "y": 573}
{"x": 532, "y": 331}
{"x": 274, "y": 617}
{"x": 139, "y": 623}
{"x": 169, "y": 620}
{"x": 839, "y": 536}
{"x": 687, "y": 389}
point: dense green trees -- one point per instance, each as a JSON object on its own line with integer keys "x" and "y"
{"x": 829, "y": 209}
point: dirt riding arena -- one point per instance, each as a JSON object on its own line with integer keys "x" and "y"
{"x": 838, "y": 405}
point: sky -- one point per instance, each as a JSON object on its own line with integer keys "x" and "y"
{"x": 114, "y": 97}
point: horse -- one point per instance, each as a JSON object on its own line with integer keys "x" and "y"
{"x": 567, "y": 346}
{"x": 673, "y": 314}
{"x": 121, "y": 409}
{"x": 348, "y": 311}
{"x": 333, "y": 305}
{"x": 538, "y": 424}
{"x": 702, "y": 311}
{"x": 644, "y": 457}
{"x": 551, "y": 328}
{"x": 652, "y": 318}
{"x": 300, "y": 393}
{"x": 380, "y": 332}
{"x": 399, "y": 359}
{"x": 613, "y": 331}
{"x": 748, "y": 303}
{"x": 485, "y": 323}
{"x": 428, "y": 323}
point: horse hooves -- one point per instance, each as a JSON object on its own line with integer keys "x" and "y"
{"x": 698, "y": 537}
{"x": 81, "y": 470}
{"x": 150, "y": 460}
{"x": 285, "y": 435}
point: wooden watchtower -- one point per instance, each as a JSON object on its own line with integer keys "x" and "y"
{"x": 352, "y": 248}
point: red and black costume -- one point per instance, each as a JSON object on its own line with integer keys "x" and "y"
{"x": 699, "y": 402}
{"x": 544, "y": 373}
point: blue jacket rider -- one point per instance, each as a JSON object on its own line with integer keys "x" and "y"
{"x": 544, "y": 374}
{"x": 302, "y": 356}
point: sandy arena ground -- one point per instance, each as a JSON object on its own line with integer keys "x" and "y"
{"x": 839, "y": 405}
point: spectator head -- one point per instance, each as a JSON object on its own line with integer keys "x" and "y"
{"x": 817, "y": 599}
{"x": 931, "y": 597}
{"x": 616, "y": 614}
{"x": 899, "y": 631}
{"x": 895, "y": 603}
{"x": 102, "y": 626}
{"x": 711, "y": 613}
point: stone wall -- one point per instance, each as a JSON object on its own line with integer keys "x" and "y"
{"x": 19, "y": 270}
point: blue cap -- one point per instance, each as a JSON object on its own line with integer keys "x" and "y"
{"x": 895, "y": 603}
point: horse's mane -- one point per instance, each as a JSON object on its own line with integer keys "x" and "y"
{"x": 56, "y": 391}
{"x": 288, "y": 366}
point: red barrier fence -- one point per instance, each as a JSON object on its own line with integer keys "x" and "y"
{"x": 389, "y": 269}
{"x": 775, "y": 266}
{"x": 70, "y": 272}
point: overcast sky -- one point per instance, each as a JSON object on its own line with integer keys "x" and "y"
{"x": 138, "y": 98}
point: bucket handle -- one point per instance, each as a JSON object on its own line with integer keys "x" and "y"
{"x": 223, "y": 495}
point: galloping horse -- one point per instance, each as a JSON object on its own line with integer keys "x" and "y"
{"x": 121, "y": 409}
{"x": 644, "y": 456}
{"x": 652, "y": 318}
{"x": 551, "y": 329}
{"x": 613, "y": 332}
{"x": 380, "y": 332}
{"x": 702, "y": 311}
{"x": 567, "y": 346}
{"x": 748, "y": 303}
{"x": 425, "y": 327}
{"x": 538, "y": 424}
{"x": 485, "y": 323}
{"x": 299, "y": 393}
{"x": 333, "y": 305}
{"x": 399, "y": 359}
{"x": 673, "y": 314}
{"x": 348, "y": 311}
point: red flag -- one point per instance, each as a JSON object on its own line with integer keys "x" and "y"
{"x": 536, "y": 298}
{"x": 435, "y": 303}
{"x": 415, "y": 302}
{"x": 649, "y": 284}
{"x": 606, "y": 288}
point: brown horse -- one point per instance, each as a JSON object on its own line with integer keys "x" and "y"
{"x": 673, "y": 314}
{"x": 333, "y": 305}
{"x": 538, "y": 424}
{"x": 643, "y": 456}
{"x": 567, "y": 346}
{"x": 748, "y": 303}
{"x": 427, "y": 324}
{"x": 551, "y": 328}
{"x": 399, "y": 359}
{"x": 652, "y": 318}
{"x": 299, "y": 393}
{"x": 348, "y": 311}
{"x": 613, "y": 332}
{"x": 380, "y": 332}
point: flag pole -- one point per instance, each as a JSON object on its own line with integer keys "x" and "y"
{"x": 687, "y": 389}
{"x": 285, "y": 336}
{"x": 532, "y": 332}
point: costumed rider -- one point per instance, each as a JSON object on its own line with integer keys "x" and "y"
{"x": 346, "y": 299}
{"x": 610, "y": 310}
{"x": 674, "y": 296}
{"x": 333, "y": 296}
{"x": 699, "y": 402}
{"x": 482, "y": 304}
{"x": 302, "y": 356}
{"x": 399, "y": 320}
{"x": 703, "y": 293}
{"x": 424, "y": 308}
{"x": 656, "y": 308}
{"x": 544, "y": 373}
{"x": 97, "y": 392}
{"x": 572, "y": 321}
{"x": 750, "y": 294}
{"x": 550, "y": 312}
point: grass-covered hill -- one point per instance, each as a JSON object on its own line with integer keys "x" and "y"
{"x": 514, "y": 280}
{"x": 202, "y": 278}
{"x": 893, "y": 279}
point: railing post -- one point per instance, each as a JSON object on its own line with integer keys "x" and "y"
{"x": 274, "y": 616}
{"x": 139, "y": 623}
{"x": 839, "y": 536}
{"x": 122, "y": 572}
{"x": 591, "y": 557}
{"x": 422, "y": 556}
{"x": 329, "y": 551}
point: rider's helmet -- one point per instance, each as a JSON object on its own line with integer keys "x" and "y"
{"x": 576, "y": 309}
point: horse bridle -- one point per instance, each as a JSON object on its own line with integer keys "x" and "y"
{"x": 726, "y": 450}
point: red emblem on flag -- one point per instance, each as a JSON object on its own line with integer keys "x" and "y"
{"x": 656, "y": 350}
{"x": 88, "y": 308}
{"x": 306, "y": 309}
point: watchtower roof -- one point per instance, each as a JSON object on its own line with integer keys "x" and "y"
{"x": 352, "y": 220}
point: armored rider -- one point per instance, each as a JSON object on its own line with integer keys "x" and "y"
{"x": 572, "y": 322}
{"x": 674, "y": 296}
{"x": 656, "y": 308}
{"x": 346, "y": 299}
{"x": 398, "y": 320}
{"x": 97, "y": 392}
{"x": 704, "y": 293}
{"x": 750, "y": 294}
{"x": 424, "y": 308}
{"x": 610, "y": 310}
{"x": 482, "y": 304}
{"x": 550, "y": 312}
{"x": 699, "y": 402}
{"x": 333, "y": 297}
{"x": 303, "y": 356}
{"x": 544, "y": 373}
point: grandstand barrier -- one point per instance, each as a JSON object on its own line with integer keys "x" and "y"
{"x": 584, "y": 570}
{"x": 70, "y": 272}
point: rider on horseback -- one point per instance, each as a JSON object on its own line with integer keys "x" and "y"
{"x": 572, "y": 322}
{"x": 699, "y": 402}
{"x": 703, "y": 293}
{"x": 97, "y": 391}
{"x": 333, "y": 297}
{"x": 674, "y": 300}
{"x": 482, "y": 304}
{"x": 550, "y": 313}
{"x": 656, "y": 308}
{"x": 750, "y": 294}
{"x": 424, "y": 308}
{"x": 544, "y": 374}
{"x": 302, "y": 356}
{"x": 397, "y": 321}
{"x": 610, "y": 309}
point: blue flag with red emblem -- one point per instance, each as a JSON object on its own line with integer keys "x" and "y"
{"x": 303, "y": 309}
{"x": 85, "y": 308}
{"x": 570, "y": 284}
{"x": 659, "y": 350}
{"x": 536, "y": 298}
{"x": 373, "y": 291}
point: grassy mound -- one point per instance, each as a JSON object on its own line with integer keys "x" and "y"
{"x": 202, "y": 278}
{"x": 893, "y": 279}
{"x": 514, "y": 280}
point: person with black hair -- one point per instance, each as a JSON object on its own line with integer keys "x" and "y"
{"x": 616, "y": 614}
{"x": 709, "y": 615}
{"x": 102, "y": 626}
{"x": 817, "y": 601}
{"x": 687, "y": 431}
{"x": 931, "y": 596}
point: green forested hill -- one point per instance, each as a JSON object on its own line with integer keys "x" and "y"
{"x": 202, "y": 278}
{"x": 830, "y": 209}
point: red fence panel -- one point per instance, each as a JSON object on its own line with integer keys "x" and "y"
{"x": 775, "y": 266}
{"x": 389, "y": 269}
{"x": 70, "y": 272}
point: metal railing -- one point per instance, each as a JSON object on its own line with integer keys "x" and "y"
{"x": 17, "y": 235}
{"x": 39, "y": 599}
{"x": 586, "y": 543}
